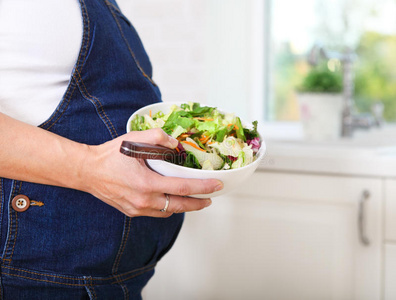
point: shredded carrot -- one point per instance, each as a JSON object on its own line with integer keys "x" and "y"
{"x": 204, "y": 139}
{"x": 193, "y": 145}
{"x": 235, "y": 126}
{"x": 183, "y": 136}
{"x": 150, "y": 113}
{"x": 177, "y": 149}
{"x": 204, "y": 119}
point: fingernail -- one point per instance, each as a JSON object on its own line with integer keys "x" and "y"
{"x": 174, "y": 142}
{"x": 208, "y": 202}
{"x": 219, "y": 187}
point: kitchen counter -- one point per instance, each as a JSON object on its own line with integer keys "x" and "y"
{"x": 369, "y": 153}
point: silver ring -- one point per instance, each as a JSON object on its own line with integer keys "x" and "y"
{"x": 166, "y": 203}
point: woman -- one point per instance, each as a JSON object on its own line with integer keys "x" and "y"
{"x": 78, "y": 219}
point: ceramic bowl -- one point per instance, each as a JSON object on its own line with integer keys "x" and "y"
{"x": 232, "y": 178}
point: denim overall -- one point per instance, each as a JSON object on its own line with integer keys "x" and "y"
{"x": 68, "y": 244}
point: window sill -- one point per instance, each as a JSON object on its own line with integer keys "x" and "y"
{"x": 289, "y": 131}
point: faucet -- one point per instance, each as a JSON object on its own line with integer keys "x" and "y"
{"x": 350, "y": 119}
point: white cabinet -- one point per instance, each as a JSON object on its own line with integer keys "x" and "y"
{"x": 390, "y": 272}
{"x": 283, "y": 237}
{"x": 390, "y": 239}
{"x": 390, "y": 210}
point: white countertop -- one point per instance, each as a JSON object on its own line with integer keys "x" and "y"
{"x": 369, "y": 153}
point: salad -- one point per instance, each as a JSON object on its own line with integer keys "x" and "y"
{"x": 208, "y": 139}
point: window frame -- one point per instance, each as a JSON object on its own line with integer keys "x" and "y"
{"x": 261, "y": 85}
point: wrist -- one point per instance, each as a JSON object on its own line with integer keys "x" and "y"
{"x": 85, "y": 168}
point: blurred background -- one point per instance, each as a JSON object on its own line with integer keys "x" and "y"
{"x": 318, "y": 218}
{"x": 237, "y": 51}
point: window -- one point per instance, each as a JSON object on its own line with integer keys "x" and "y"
{"x": 366, "y": 26}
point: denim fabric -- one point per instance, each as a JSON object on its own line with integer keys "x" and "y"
{"x": 75, "y": 246}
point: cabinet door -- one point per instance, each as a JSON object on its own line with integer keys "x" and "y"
{"x": 390, "y": 272}
{"x": 390, "y": 235}
{"x": 390, "y": 210}
{"x": 283, "y": 237}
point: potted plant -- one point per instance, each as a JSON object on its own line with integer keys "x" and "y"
{"x": 321, "y": 102}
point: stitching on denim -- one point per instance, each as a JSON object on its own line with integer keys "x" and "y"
{"x": 117, "y": 261}
{"x": 126, "y": 42}
{"x": 92, "y": 289}
{"x": 123, "y": 276}
{"x": 60, "y": 111}
{"x": 1, "y": 286}
{"x": 125, "y": 291}
{"x": 85, "y": 40}
{"x": 89, "y": 292}
{"x": 16, "y": 225}
{"x": 78, "y": 72}
{"x": 135, "y": 275}
{"x": 36, "y": 203}
{"x": 129, "y": 47}
{"x": 40, "y": 274}
{"x": 43, "y": 280}
{"x": 122, "y": 246}
{"x": 15, "y": 236}
{"x": 98, "y": 105}
{"x": 10, "y": 213}
{"x": 110, "y": 278}
{"x": 16, "y": 221}
{"x": 70, "y": 284}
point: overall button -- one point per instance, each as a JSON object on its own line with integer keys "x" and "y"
{"x": 20, "y": 203}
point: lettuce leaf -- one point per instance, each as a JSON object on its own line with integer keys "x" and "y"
{"x": 178, "y": 119}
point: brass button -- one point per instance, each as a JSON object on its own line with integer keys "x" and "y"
{"x": 20, "y": 203}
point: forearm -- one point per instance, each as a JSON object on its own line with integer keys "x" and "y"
{"x": 29, "y": 153}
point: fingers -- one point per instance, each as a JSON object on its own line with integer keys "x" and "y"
{"x": 158, "y": 206}
{"x": 178, "y": 204}
{"x": 154, "y": 136}
{"x": 178, "y": 189}
{"x": 140, "y": 191}
{"x": 187, "y": 186}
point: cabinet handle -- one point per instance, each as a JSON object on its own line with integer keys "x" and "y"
{"x": 362, "y": 218}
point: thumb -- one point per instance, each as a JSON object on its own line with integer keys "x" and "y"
{"x": 154, "y": 136}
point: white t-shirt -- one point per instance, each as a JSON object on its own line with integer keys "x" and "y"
{"x": 39, "y": 45}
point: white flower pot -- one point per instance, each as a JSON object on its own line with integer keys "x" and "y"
{"x": 321, "y": 115}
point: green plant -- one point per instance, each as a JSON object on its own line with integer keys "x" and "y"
{"x": 321, "y": 80}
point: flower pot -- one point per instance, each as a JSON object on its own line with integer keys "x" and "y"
{"x": 321, "y": 115}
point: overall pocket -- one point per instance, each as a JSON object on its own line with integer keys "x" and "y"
{"x": 70, "y": 232}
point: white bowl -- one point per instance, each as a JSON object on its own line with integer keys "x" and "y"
{"x": 232, "y": 178}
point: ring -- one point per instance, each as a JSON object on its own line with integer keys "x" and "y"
{"x": 166, "y": 203}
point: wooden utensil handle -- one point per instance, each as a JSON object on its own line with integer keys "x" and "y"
{"x": 147, "y": 151}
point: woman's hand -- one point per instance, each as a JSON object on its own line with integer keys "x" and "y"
{"x": 29, "y": 153}
{"x": 128, "y": 185}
